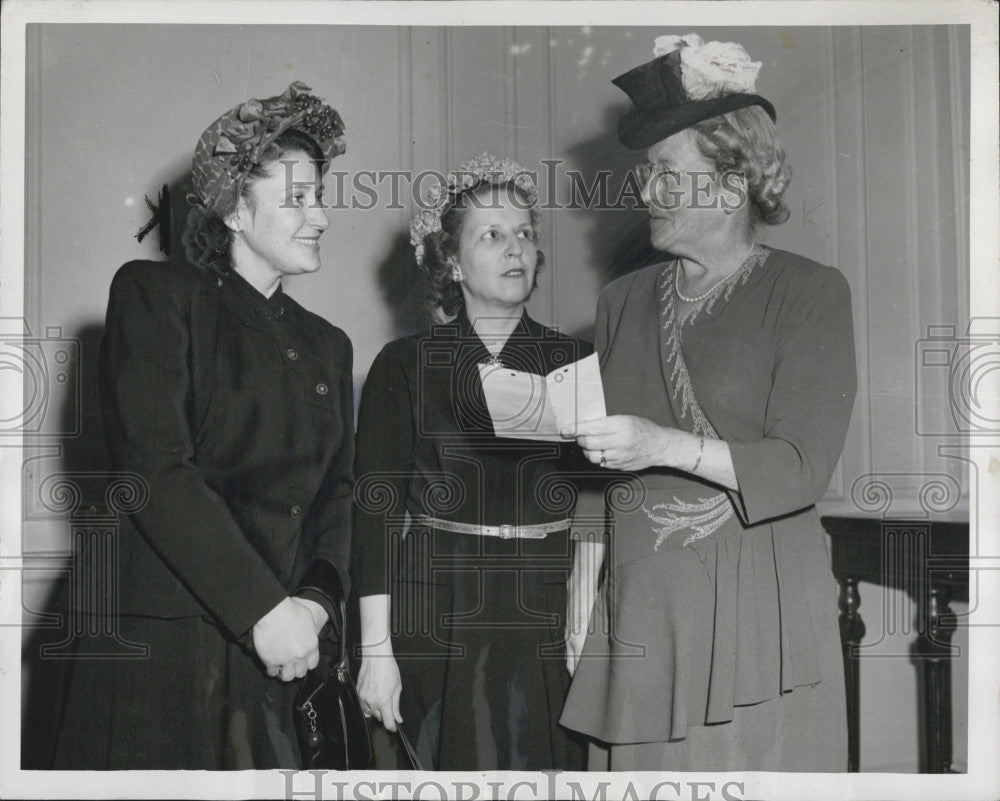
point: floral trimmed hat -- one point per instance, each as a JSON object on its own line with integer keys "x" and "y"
{"x": 482, "y": 169}
{"x": 231, "y": 146}
{"x": 688, "y": 81}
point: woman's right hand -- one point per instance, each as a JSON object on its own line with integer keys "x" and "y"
{"x": 588, "y": 555}
{"x": 380, "y": 686}
{"x": 285, "y": 640}
{"x": 580, "y": 602}
{"x": 574, "y": 646}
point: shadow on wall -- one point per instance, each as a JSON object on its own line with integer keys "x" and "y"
{"x": 44, "y": 677}
{"x": 83, "y": 460}
{"x": 404, "y": 287}
{"x": 617, "y": 238}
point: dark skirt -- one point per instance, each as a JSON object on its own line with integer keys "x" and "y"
{"x": 198, "y": 702}
{"x": 480, "y": 646}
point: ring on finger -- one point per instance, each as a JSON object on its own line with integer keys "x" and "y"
{"x": 604, "y": 460}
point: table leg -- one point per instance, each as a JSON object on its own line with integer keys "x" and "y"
{"x": 852, "y": 630}
{"x": 936, "y": 655}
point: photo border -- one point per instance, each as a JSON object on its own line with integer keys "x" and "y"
{"x": 981, "y": 781}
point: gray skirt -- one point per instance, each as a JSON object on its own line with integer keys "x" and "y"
{"x": 803, "y": 731}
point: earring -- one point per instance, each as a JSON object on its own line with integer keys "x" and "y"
{"x": 456, "y": 274}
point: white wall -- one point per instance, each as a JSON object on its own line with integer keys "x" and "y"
{"x": 875, "y": 123}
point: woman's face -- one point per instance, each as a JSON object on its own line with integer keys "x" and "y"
{"x": 683, "y": 196}
{"x": 496, "y": 252}
{"x": 282, "y": 220}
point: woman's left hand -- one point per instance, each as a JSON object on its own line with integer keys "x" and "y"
{"x": 623, "y": 442}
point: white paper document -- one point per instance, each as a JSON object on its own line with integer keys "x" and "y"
{"x": 530, "y": 406}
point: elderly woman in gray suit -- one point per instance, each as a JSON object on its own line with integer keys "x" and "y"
{"x": 729, "y": 376}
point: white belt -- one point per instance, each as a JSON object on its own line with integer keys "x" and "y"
{"x": 536, "y": 531}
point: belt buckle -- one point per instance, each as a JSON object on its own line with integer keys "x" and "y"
{"x": 508, "y": 532}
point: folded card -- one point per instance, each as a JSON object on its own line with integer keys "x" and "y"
{"x": 531, "y": 406}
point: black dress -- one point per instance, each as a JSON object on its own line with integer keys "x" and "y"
{"x": 236, "y": 411}
{"x": 477, "y": 622}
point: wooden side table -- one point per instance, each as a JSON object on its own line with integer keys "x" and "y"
{"x": 929, "y": 560}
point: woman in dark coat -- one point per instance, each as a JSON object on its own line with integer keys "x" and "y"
{"x": 729, "y": 375}
{"x": 461, "y": 546}
{"x": 234, "y": 406}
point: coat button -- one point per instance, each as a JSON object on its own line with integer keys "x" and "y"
{"x": 321, "y": 388}
{"x": 292, "y": 354}
{"x": 296, "y": 511}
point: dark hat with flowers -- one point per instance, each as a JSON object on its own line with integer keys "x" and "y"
{"x": 231, "y": 146}
{"x": 688, "y": 81}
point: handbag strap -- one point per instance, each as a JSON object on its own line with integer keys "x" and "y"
{"x": 323, "y": 578}
{"x": 403, "y": 743}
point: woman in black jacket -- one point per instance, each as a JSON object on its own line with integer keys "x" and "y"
{"x": 234, "y": 405}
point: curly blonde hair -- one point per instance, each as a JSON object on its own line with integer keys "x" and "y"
{"x": 746, "y": 141}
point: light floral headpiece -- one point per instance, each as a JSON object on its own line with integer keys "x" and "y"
{"x": 710, "y": 70}
{"x": 485, "y": 169}
{"x": 687, "y": 81}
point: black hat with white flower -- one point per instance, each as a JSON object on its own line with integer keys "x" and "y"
{"x": 688, "y": 81}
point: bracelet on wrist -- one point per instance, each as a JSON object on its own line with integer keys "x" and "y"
{"x": 701, "y": 451}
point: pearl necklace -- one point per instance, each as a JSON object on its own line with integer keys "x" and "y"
{"x": 716, "y": 285}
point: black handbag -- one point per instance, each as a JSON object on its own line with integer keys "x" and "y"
{"x": 332, "y": 730}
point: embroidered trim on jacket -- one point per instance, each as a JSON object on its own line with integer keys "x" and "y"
{"x": 704, "y": 517}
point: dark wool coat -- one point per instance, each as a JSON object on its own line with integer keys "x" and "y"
{"x": 237, "y": 411}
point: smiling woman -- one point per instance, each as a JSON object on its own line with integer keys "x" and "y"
{"x": 277, "y": 225}
{"x": 234, "y": 404}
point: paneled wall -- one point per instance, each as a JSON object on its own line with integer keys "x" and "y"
{"x": 874, "y": 121}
